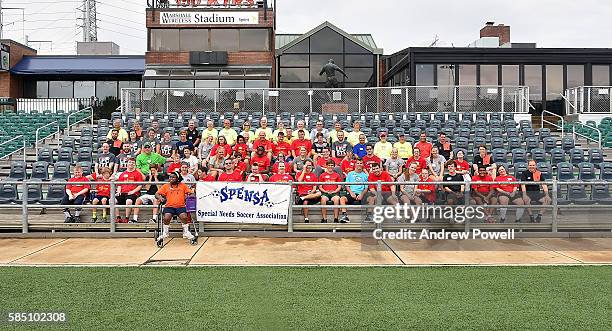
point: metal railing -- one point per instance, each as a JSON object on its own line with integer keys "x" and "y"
{"x": 547, "y": 113}
{"x": 588, "y": 100}
{"x": 557, "y": 201}
{"x": 38, "y": 138}
{"x": 22, "y": 148}
{"x": 89, "y": 110}
{"x": 53, "y": 105}
{"x": 511, "y": 99}
{"x": 588, "y": 138}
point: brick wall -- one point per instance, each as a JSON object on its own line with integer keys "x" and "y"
{"x": 501, "y": 31}
{"x": 11, "y": 85}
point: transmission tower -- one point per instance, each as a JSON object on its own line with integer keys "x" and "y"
{"x": 90, "y": 23}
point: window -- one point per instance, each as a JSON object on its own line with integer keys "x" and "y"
{"x": 359, "y": 60}
{"x": 107, "y": 89}
{"x": 301, "y": 47}
{"x": 293, "y": 85}
{"x": 256, "y": 83}
{"x": 318, "y": 61}
{"x": 224, "y": 39}
{"x": 129, "y": 84}
{"x": 254, "y": 40}
{"x": 425, "y": 75}
{"x": 488, "y": 75}
{"x": 86, "y": 89}
{"x": 294, "y": 60}
{"x": 294, "y": 74}
{"x": 554, "y": 81}
{"x": 231, "y": 84}
{"x": 164, "y": 40}
{"x": 510, "y": 75}
{"x": 575, "y": 75}
{"x": 60, "y": 89}
{"x": 181, "y": 83}
{"x": 194, "y": 40}
{"x": 42, "y": 89}
{"x": 446, "y": 75}
{"x": 358, "y": 74}
{"x": 326, "y": 41}
{"x": 351, "y": 47}
{"x": 533, "y": 79}
{"x": 209, "y": 84}
{"x": 601, "y": 75}
{"x": 467, "y": 74}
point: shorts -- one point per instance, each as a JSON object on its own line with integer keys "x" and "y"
{"x": 299, "y": 201}
{"x": 122, "y": 198}
{"x": 473, "y": 194}
{"x": 535, "y": 197}
{"x": 351, "y": 201}
{"x": 175, "y": 211}
{"x": 329, "y": 196}
{"x": 147, "y": 199}
{"x": 99, "y": 197}
{"x": 385, "y": 196}
{"x": 449, "y": 195}
{"x": 506, "y": 194}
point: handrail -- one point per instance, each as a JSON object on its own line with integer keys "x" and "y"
{"x": 542, "y": 121}
{"x": 77, "y": 112}
{"x": 574, "y": 133}
{"x": 17, "y": 150}
{"x": 569, "y": 102}
{"x": 37, "y": 132}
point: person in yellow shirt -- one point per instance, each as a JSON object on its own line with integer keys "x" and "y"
{"x": 210, "y": 131}
{"x": 289, "y": 135}
{"x": 353, "y": 136}
{"x": 123, "y": 135}
{"x": 404, "y": 148}
{"x": 279, "y": 128}
{"x": 300, "y": 126}
{"x": 264, "y": 127}
{"x": 333, "y": 135}
{"x": 247, "y": 133}
{"x": 230, "y": 134}
{"x": 383, "y": 148}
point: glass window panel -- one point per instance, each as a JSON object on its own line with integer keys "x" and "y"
{"x": 106, "y": 89}
{"x": 228, "y": 84}
{"x": 467, "y": 74}
{"x": 257, "y": 72}
{"x": 254, "y": 40}
{"x": 224, "y": 39}
{"x": 194, "y": 40}
{"x": 575, "y": 75}
{"x": 294, "y": 74}
{"x": 510, "y": 75}
{"x": 356, "y": 85}
{"x": 181, "y": 72}
{"x": 318, "y": 61}
{"x": 42, "y": 89}
{"x": 446, "y": 74}
{"x": 164, "y": 40}
{"x": 488, "y": 75}
{"x": 29, "y": 89}
{"x": 129, "y": 84}
{"x": 359, "y": 74}
{"x": 149, "y": 83}
{"x": 256, "y": 83}
{"x": 207, "y": 83}
{"x": 60, "y": 89}
{"x": 207, "y": 72}
{"x": 84, "y": 89}
{"x": 424, "y": 74}
{"x": 554, "y": 81}
{"x": 294, "y": 60}
{"x": 301, "y": 47}
{"x": 181, "y": 83}
{"x": 351, "y": 47}
{"x": 601, "y": 75}
{"x": 533, "y": 79}
{"x": 294, "y": 85}
{"x": 326, "y": 41}
{"x": 359, "y": 60}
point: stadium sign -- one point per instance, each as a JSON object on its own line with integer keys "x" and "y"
{"x": 253, "y": 203}
{"x": 209, "y": 18}
{"x": 202, "y": 3}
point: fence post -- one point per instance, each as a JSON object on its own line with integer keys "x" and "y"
{"x": 290, "y": 220}
{"x": 167, "y": 101}
{"x": 503, "y": 102}
{"x": 555, "y": 211}
{"x": 310, "y": 99}
{"x": 359, "y": 103}
{"x": 24, "y": 207}
{"x": 263, "y": 103}
{"x": 378, "y": 200}
{"x": 24, "y": 148}
{"x": 111, "y": 204}
{"x": 455, "y": 98}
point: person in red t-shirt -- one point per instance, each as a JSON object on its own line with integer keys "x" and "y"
{"x": 175, "y": 164}
{"x": 241, "y": 147}
{"x": 427, "y": 192}
{"x": 128, "y": 193}
{"x": 282, "y": 146}
{"x": 348, "y": 163}
{"x": 205, "y": 177}
{"x": 300, "y": 142}
{"x": 462, "y": 166}
{"x": 255, "y": 175}
{"x": 507, "y": 193}
{"x": 322, "y": 161}
{"x": 307, "y": 194}
{"x": 330, "y": 192}
{"x": 102, "y": 192}
{"x": 387, "y": 190}
{"x": 418, "y": 159}
{"x": 75, "y": 194}
{"x": 239, "y": 164}
{"x": 281, "y": 176}
{"x": 265, "y": 143}
{"x": 222, "y": 143}
{"x": 230, "y": 174}
{"x": 281, "y": 160}
{"x": 483, "y": 194}
{"x": 262, "y": 159}
{"x": 370, "y": 159}
{"x": 424, "y": 145}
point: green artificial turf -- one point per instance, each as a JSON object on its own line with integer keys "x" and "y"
{"x": 276, "y": 298}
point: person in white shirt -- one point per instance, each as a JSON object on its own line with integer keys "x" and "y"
{"x": 319, "y": 129}
{"x": 301, "y": 126}
{"x": 191, "y": 159}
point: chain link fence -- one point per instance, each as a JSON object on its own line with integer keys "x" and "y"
{"x": 512, "y": 99}
{"x": 588, "y": 99}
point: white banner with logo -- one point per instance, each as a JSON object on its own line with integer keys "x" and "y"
{"x": 209, "y": 17}
{"x": 243, "y": 202}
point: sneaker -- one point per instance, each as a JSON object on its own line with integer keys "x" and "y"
{"x": 94, "y": 219}
{"x": 76, "y": 219}
{"x": 118, "y": 220}
{"x": 68, "y": 219}
{"x": 538, "y": 218}
{"x": 104, "y": 220}
{"x": 162, "y": 237}
{"x": 532, "y": 219}
{"x": 306, "y": 220}
{"x": 187, "y": 235}
{"x": 336, "y": 220}
{"x": 323, "y": 221}
{"x": 152, "y": 221}
{"x": 344, "y": 219}
{"x": 133, "y": 221}
{"x": 502, "y": 220}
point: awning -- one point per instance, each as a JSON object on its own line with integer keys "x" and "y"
{"x": 80, "y": 65}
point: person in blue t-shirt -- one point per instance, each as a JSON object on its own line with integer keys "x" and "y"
{"x": 180, "y": 145}
{"x": 360, "y": 148}
{"x": 355, "y": 193}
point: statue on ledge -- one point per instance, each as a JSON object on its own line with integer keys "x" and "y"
{"x": 330, "y": 71}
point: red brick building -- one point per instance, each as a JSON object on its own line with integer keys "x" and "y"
{"x": 10, "y": 84}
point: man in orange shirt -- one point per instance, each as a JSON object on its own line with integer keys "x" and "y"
{"x": 173, "y": 195}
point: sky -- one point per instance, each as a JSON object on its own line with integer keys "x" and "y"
{"x": 394, "y": 24}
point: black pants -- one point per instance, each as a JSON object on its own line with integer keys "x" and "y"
{"x": 76, "y": 201}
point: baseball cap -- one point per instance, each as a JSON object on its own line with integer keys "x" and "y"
{"x": 147, "y": 145}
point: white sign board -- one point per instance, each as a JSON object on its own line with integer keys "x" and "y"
{"x": 264, "y": 203}
{"x": 209, "y": 18}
